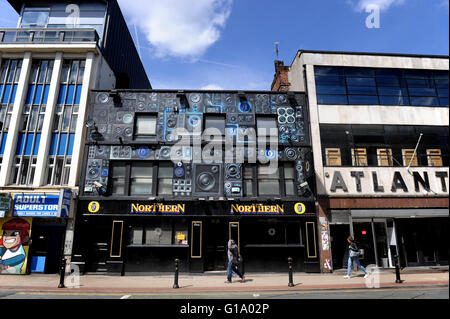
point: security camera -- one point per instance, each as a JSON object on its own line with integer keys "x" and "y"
{"x": 99, "y": 185}
{"x": 305, "y": 184}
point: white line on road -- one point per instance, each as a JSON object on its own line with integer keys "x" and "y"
{"x": 126, "y": 297}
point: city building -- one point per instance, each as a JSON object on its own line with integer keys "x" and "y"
{"x": 59, "y": 51}
{"x": 176, "y": 174}
{"x": 379, "y": 127}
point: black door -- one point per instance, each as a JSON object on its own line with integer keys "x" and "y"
{"x": 47, "y": 241}
{"x": 215, "y": 241}
{"x": 339, "y": 244}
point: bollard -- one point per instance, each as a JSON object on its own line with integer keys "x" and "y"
{"x": 397, "y": 270}
{"x": 62, "y": 273}
{"x": 175, "y": 285}
{"x": 291, "y": 280}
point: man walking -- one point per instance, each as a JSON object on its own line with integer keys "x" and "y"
{"x": 233, "y": 262}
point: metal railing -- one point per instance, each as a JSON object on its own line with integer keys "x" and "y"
{"x": 42, "y": 35}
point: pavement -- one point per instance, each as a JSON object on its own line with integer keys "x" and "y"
{"x": 386, "y": 278}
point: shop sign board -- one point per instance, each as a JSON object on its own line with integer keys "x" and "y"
{"x": 271, "y": 209}
{"x": 178, "y": 209}
{"x": 38, "y": 205}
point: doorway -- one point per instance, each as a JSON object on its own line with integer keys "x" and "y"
{"x": 216, "y": 238}
{"x": 372, "y": 236}
{"x": 46, "y": 248}
{"x": 338, "y": 237}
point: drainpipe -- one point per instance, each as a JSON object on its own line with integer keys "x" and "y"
{"x": 375, "y": 243}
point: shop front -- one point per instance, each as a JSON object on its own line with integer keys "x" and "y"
{"x": 417, "y": 235}
{"x": 130, "y": 237}
{"x": 32, "y": 232}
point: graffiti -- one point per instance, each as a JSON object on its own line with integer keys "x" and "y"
{"x": 324, "y": 233}
{"x": 327, "y": 264}
{"x": 14, "y": 240}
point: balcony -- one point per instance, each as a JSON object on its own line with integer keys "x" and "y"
{"x": 46, "y": 36}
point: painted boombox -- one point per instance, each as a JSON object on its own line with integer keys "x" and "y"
{"x": 208, "y": 137}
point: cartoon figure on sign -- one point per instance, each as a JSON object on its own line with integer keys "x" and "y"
{"x": 15, "y": 235}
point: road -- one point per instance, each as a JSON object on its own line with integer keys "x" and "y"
{"x": 384, "y": 293}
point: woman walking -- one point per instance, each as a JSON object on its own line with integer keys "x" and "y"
{"x": 233, "y": 262}
{"x": 353, "y": 256}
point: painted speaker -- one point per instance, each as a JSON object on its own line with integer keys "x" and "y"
{"x": 208, "y": 180}
{"x": 233, "y": 180}
{"x": 182, "y": 179}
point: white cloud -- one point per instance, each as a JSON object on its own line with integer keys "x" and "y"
{"x": 212, "y": 87}
{"x": 361, "y": 5}
{"x": 179, "y": 28}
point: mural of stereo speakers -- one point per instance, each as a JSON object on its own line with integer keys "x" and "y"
{"x": 208, "y": 180}
{"x": 142, "y": 126}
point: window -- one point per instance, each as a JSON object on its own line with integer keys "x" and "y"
{"x": 165, "y": 176}
{"x": 249, "y": 181}
{"x": 333, "y": 156}
{"x": 65, "y": 122}
{"x": 384, "y": 157}
{"x": 359, "y": 157}
{"x": 163, "y": 233}
{"x": 289, "y": 179}
{"x": 373, "y": 86}
{"x": 408, "y": 159}
{"x": 118, "y": 175}
{"x": 145, "y": 126}
{"x": 141, "y": 179}
{"x": 434, "y": 157}
{"x": 34, "y": 17}
{"x": 267, "y": 126}
{"x": 215, "y": 122}
{"x": 31, "y": 121}
{"x": 9, "y": 79}
{"x": 268, "y": 180}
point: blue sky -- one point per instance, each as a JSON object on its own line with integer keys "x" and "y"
{"x": 229, "y": 44}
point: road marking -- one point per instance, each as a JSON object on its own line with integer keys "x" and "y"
{"x": 126, "y": 297}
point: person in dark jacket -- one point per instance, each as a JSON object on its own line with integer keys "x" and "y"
{"x": 353, "y": 257}
{"x": 233, "y": 262}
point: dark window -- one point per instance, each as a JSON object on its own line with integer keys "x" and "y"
{"x": 370, "y": 86}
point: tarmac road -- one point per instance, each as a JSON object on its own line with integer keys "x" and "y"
{"x": 383, "y": 293}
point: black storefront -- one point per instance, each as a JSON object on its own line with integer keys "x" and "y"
{"x": 136, "y": 237}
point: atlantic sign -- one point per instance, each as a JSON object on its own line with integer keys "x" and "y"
{"x": 392, "y": 181}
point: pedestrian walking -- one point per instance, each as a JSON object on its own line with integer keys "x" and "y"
{"x": 353, "y": 256}
{"x": 233, "y": 262}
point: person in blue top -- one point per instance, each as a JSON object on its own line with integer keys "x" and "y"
{"x": 15, "y": 234}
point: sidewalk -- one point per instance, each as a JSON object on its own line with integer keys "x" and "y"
{"x": 215, "y": 282}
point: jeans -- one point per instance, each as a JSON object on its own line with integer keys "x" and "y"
{"x": 233, "y": 267}
{"x": 350, "y": 264}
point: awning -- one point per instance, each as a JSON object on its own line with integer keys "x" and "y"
{"x": 399, "y": 213}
